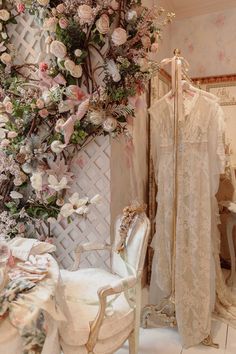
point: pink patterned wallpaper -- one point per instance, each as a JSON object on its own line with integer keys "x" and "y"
{"x": 208, "y": 42}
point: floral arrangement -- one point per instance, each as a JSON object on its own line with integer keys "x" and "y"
{"x": 95, "y": 64}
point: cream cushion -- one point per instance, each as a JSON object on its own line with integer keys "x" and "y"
{"x": 82, "y": 307}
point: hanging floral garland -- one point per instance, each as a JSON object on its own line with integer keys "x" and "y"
{"x": 95, "y": 64}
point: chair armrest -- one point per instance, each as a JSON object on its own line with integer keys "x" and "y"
{"x": 114, "y": 288}
{"x": 88, "y": 247}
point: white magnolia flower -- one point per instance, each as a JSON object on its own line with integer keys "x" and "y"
{"x": 4, "y": 15}
{"x": 96, "y": 199}
{"x": 57, "y": 146}
{"x": 76, "y": 205}
{"x": 119, "y": 36}
{"x": 37, "y": 181}
{"x": 57, "y": 185}
{"x": 58, "y": 49}
{"x": 113, "y": 70}
{"x": 16, "y": 195}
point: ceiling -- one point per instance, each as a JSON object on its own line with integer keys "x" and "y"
{"x": 189, "y": 8}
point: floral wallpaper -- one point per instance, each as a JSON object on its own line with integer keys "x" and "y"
{"x": 208, "y": 42}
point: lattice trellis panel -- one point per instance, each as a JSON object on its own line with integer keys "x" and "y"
{"x": 92, "y": 168}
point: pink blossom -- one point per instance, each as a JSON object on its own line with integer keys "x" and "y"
{"x": 43, "y": 66}
{"x": 43, "y": 113}
{"x": 21, "y": 8}
{"x": 63, "y": 23}
{"x": 60, "y": 8}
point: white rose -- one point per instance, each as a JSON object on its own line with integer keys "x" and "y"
{"x": 37, "y": 181}
{"x": 85, "y": 13}
{"x": 96, "y": 199}
{"x": 12, "y": 135}
{"x": 77, "y": 71}
{"x": 131, "y": 15}
{"x": 109, "y": 125}
{"x": 78, "y": 52}
{"x": 50, "y": 24}
{"x": 119, "y": 36}
{"x": 69, "y": 64}
{"x": 58, "y": 49}
{"x": 43, "y": 2}
{"x": 57, "y": 146}
{"x": 6, "y": 58}
{"x": 102, "y": 24}
{"x": 4, "y": 15}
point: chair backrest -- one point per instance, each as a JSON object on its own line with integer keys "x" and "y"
{"x": 131, "y": 261}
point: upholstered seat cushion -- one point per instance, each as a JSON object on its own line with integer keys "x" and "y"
{"x": 82, "y": 307}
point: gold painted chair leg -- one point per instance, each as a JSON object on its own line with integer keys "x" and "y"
{"x": 134, "y": 342}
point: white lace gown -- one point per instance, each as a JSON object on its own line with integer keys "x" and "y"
{"x": 200, "y": 161}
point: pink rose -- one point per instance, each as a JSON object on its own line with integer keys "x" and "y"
{"x": 12, "y": 135}
{"x": 85, "y": 13}
{"x": 43, "y": 67}
{"x": 146, "y": 42}
{"x": 58, "y": 49}
{"x": 63, "y": 23}
{"x": 43, "y": 113}
{"x": 5, "y": 142}
{"x": 8, "y": 107}
{"x": 50, "y": 24}
{"x": 119, "y": 36}
{"x": 40, "y": 103}
{"x": 155, "y": 47}
{"x": 103, "y": 24}
{"x": 60, "y": 8}
{"x": 21, "y": 8}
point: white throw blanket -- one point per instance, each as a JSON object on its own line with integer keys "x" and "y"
{"x": 22, "y": 248}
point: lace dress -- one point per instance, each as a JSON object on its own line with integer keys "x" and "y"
{"x": 200, "y": 161}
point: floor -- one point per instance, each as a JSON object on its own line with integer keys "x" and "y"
{"x": 167, "y": 341}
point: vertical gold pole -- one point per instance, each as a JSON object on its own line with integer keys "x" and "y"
{"x": 175, "y": 175}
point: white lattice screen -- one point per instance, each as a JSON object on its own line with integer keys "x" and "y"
{"x": 91, "y": 168}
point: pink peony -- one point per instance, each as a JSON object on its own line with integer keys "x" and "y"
{"x": 63, "y": 23}
{"x": 43, "y": 66}
{"x": 103, "y": 24}
{"x": 60, "y": 8}
{"x": 8, "y": 107}
{"x": 85, "y": 13}
{"x": 119, "y": 36}
{"x": 43, "y": 113}
{"x": 21, "y": 7}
